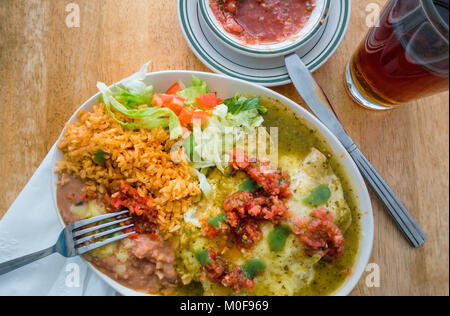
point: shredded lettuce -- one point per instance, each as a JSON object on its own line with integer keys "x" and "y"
{"x": 239, "y": 104}
{"x": 247, "y": 120}
{"x": 133, "y": 91}
{"x": 204, "y": 184}
{"x": 209, "y": 146}
{"x": 146, "y": 118}
{"x": 198, "y": 87}
{"x": 135, "y": 84}
{"x": 130, "y": 100}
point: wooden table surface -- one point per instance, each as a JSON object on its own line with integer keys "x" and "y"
{"x": 47, "y": 70}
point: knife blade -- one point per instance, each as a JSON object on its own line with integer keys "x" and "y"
{"x": 318, "y": 102}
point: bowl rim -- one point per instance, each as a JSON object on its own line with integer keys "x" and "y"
{"x": 234, "y": 44}
{"x": 351, "y": 170}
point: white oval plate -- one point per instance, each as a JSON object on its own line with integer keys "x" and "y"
{"x": 225, "y": 87}
{"x": 264, "y": 71}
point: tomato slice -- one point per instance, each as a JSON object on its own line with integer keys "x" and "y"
{"x": 157, "y": 101}
{"x": 185, "y": 116}
{"x": 167, "y": 98}
{"x": 173, "y": 102}
{"x": 207, "y": 101}
{"x": 174, "y": 88}
{"x": 201, "y": 116}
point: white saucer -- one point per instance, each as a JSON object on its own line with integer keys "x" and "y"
{"x": 264, "y": 71}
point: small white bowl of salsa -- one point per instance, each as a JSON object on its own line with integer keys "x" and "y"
{"x": 265, "y": 28}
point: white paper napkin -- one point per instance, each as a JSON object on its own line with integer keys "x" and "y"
{"x": 31, "y": 224}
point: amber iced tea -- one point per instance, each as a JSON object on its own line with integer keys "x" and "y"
{"x": 404, "y": 58}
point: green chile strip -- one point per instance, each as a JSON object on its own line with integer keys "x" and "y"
{"x": 318, "y": 196}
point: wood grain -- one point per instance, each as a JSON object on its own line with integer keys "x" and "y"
{"x": 47, "y": 70}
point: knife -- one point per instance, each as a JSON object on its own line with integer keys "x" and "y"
{"x": 317, "y": 101}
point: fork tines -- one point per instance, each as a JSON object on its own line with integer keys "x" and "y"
{"x": 81, "y": 234}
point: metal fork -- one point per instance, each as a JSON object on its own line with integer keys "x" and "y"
{"x": 73, "y": 240}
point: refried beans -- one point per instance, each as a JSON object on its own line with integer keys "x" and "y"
{"x": 262, "y": 21}
{"x": 150, "y": 267}
{"x": 149, "y": 264}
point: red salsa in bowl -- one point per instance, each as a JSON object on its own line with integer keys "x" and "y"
{"x": 262, "y": 21}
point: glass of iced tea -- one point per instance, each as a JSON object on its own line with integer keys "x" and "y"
{"x": 404, "y": 57}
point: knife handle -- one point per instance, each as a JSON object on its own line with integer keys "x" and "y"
{"x": 397, "y": 210}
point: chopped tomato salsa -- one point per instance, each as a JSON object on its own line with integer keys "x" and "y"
{"x": 262, "y": 21}
{"x": 129, "y": 198}
{"x": 320, "y": 235}
{"x": 273, "y": 181}
{"x": 256, "y": 205}
{"x": 213, "y": 231}
{"x": 140, "y": 207}
{"x": 88, "y": 196}
{"x": 232, "y": 276}
{"x": 133, "y": 236}
{"x": 245, "y": 210}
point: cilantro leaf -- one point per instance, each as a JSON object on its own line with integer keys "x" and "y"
{"x": 248, "y": 186}
{"x": 216, "y": 221}
{"x": 100, "y": 156}
{"x": 320, "y": 195}
{"x": 253, "y": 268}
{"x": 203, "y": 257}
{"x": 239, "y": 104}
